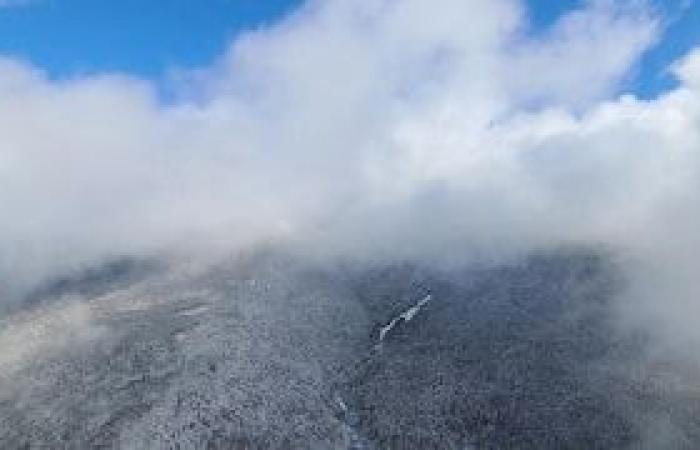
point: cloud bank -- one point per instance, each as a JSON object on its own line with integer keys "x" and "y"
{"x": 373, "y": 128}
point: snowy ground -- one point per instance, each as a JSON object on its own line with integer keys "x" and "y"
{"x": 267, "y": 352}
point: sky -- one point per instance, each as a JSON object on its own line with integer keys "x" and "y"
{"x": 442, "y": 132}
{"x": 69, "y": 38}
{"x": 450, "y": 132}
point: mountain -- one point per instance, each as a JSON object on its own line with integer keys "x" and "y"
{"x": 272, "y": 351}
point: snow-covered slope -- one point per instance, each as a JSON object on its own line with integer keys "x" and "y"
{"x": 269, "y": 352}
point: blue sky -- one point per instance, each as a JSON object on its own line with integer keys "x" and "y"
{"x": 147, "y": 38}
{"x": 137, "y": 36}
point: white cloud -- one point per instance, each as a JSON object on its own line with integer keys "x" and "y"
{"x": 367, "y": 127}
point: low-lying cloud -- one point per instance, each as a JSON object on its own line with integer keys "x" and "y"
{"x": 377, "y": 128}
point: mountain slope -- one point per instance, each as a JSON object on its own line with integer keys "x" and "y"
{"x": 270, "y": 352}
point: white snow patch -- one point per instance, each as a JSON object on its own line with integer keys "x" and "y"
{"x": 341, "y": 403}
{"x": 193, "y": 311}
{"x": 407, "y": 315}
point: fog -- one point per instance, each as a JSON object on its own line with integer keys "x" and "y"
{"x": 370, "y": 129}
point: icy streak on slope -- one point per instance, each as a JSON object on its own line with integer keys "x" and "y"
{"x": 349, "y": 418}
{"x": 407, "y": 315}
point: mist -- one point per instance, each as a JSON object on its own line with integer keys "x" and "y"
{"x": 370, "y": 131}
